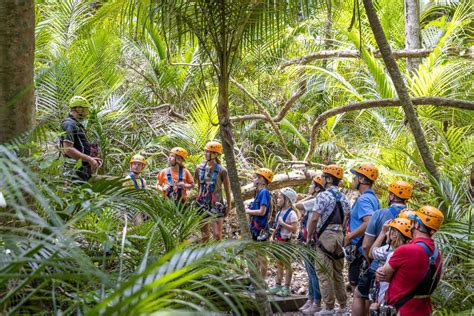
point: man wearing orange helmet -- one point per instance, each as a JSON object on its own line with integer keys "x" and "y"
{"x": 361, "y": 212}
{"x": 399, "y": 193}
{"x": 175, "y": 180}
{"x": 414, "y": 269}
{"x": 212, "y": 177}
{"x": 327, "y": 217}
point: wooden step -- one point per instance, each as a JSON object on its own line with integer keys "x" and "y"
{"x": 286, "y": 304}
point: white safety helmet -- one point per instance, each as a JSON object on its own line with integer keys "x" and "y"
{"x": 290, "y": 194}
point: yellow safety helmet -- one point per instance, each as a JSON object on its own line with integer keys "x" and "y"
{"x": 214, "y": 147}
{"x": 179, "y": 151}
{"x": 334, "y": 170}
{"x": 79, "y": 102}
{"x": 401, "y": 189}
{"x": 403, "y": 225}
{"x": 318, "y": 180}
{"x": 266, "y": 173}
{"x": 430, "y": 216}
{"x": 138, "y": 158}
{"x": 368, "y": 170}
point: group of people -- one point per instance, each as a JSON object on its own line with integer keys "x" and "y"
{"x": 393, "y": 263}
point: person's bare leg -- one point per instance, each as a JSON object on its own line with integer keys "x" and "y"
{"x": 138, "y": 219}
{"x": 279, "y": 273}
{"x": 358, "y": 304}
{"x": 288, "y": 275}
{"x": 217, "y": 228}
{"x": 205, "y": 232}
{"x": 264, "y": 267}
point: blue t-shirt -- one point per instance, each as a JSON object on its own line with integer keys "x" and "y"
{"x": 263, "y": 198}
{"x": 376, "y": 224}
{"x": 365, "y": 205}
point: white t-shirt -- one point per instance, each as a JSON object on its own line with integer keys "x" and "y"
{"x": 290, "y": 219}
{"x": 384, "y": 285}
{"x": 308, "y": 205}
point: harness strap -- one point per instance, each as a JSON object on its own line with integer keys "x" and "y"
{"x": 179, "y": 192}
{"x": 393, "y": 211}
{"x": 135, "y": 183}
{"x": 338, "y": 206}
{"x": 278, "y": 227}
{"x": 202, "y": 181}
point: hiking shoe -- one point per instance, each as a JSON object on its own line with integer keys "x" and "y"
{"x": 285, "y": 291}
{"x": 313, "y": 308}
{"x": 325, "y": 311}
{"x": 274, "y": 290}
{"x": 306, "y": 305}
{"x": 342, "y": 311}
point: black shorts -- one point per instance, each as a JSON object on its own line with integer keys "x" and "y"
{"x": 366, "y": 281}
{"x": 354, "y": 270}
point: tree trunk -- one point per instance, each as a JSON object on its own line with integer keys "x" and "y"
{"x": 412, "y": 32}
{"x": 228, "y": 144}
{"x": 17, "y": 45}
{"x": 401, "y": 89}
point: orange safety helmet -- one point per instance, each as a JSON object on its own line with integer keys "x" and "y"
{"x": 318, "y": 180}
{"x": 334, "y": 170}
{"x": 368, "y": 170}
{"x": 266, "y": 173}
{"x": 179, "y": 151}
{"x": 401, "y": 189}
{"x": 405, "y": 213}
{"x": 430, "y": 216}
{"x": 403, "y": 225}
{"x": 214, "y": 147}
{"x": 138, "y": 158}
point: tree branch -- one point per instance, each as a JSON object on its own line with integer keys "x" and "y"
{"x": 301, "y": 90}
{"x": 267, "y": 117}
{"x": 402, "y": 53}
{"x": 321, "y": 119}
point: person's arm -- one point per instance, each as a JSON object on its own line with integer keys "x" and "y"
{"x": 370, "y": 235}
{"x": 384, "y": 273}
{"x": 380, "y": 238}
{"x": 314, "y": 217}
{"x": 260, "y": 212}
{"x": 197, "y": 176}
{"x": 358, "y": 232}
{"x": 72, "y": 152}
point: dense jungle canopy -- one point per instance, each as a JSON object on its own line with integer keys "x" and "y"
{"x": 287, "y": 85}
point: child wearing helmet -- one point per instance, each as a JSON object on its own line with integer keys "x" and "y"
{"x": 286, "y": 224}
{"x": 135, "y": 180}
{"x": 213, "y": 181}
{"x": 395, "y": 233}
{"x": 175, "y": 180}
{"x": 260, "y": 212}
